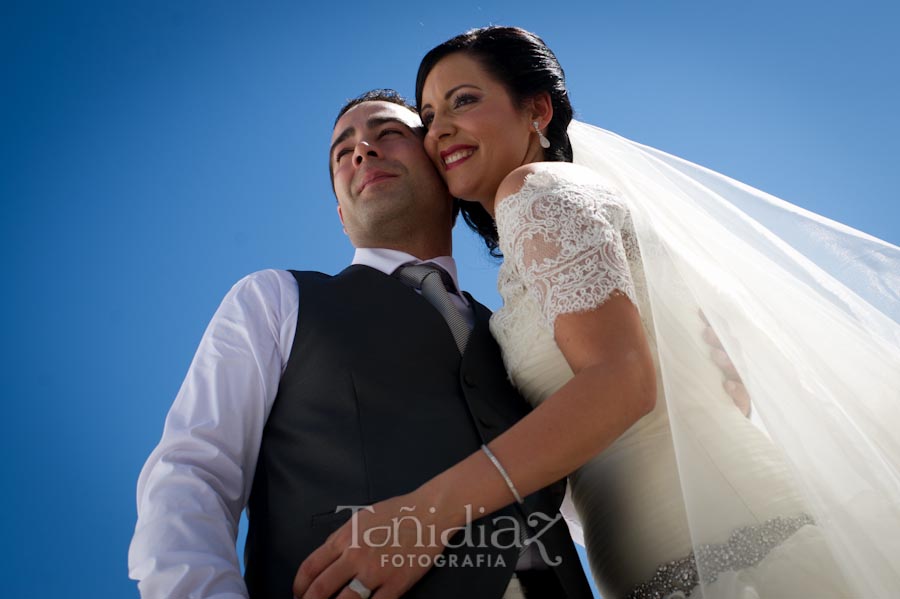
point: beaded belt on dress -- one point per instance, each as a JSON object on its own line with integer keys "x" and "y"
{"x": 746, "y": 547}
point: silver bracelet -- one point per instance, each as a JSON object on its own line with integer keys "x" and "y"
{"x": 502, "y": 470}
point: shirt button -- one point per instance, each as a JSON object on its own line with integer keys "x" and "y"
{"x": 469, "y": 381}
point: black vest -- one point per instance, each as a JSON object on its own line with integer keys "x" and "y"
{"x": 374, "y": 401}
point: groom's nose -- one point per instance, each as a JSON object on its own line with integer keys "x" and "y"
{"x": 363, "y": 151}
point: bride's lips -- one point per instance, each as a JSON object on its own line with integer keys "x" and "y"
{"x": 456, "y": 155}
{"x": 373, "y": 177}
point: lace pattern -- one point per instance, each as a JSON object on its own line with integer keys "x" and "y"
{"x": 568, "y": 244}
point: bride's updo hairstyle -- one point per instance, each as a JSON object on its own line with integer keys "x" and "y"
{"x": 525, "y": 66}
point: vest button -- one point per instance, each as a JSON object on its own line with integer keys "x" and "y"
{"x": 469, "y": 381}
{"x": 486, "y": 423}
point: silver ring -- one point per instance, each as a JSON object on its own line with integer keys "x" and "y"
{"x": 359, "y": 588}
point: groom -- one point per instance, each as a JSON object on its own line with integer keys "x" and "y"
{"x": 310, "y": 392}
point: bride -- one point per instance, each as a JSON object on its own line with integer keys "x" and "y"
{"x": 607, "y": 266}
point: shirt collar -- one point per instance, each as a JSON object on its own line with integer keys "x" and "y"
{"x": 387, "y": 261}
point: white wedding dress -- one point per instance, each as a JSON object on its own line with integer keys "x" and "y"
{"x": 711, "y": 511}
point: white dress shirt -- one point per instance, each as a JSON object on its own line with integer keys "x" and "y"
{"x": 196, "y": 482}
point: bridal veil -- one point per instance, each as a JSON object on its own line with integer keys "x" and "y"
{"x": 809, "y": 312}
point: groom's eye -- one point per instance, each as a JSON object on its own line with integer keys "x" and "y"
{"x": 386, "y": 131}
{"x": 340, "y": 154}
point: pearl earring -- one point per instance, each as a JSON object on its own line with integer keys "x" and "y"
{"x": 545, "y": 143}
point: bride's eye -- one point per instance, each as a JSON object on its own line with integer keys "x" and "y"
{"x": 463, "y": 99}
{"x": 427, "y": 119}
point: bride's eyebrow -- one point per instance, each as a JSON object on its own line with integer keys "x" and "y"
{"x": 450, "y": 92}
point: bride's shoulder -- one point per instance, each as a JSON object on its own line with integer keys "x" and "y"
{"x": 543, "y": 175}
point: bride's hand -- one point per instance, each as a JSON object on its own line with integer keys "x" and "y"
{"x": 733, "y": 384}
{"x": 370, "y": 548}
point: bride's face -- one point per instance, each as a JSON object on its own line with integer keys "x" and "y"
{"x": 476, "y": 132}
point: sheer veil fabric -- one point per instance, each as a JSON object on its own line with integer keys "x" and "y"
{"x": 809, "y": 312}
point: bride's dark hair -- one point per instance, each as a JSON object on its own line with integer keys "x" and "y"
{"x": 523, "y": 63}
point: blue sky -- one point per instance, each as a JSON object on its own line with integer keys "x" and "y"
{"x": 155, "y": 152}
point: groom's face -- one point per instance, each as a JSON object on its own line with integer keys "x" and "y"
{"x": 384, "y": 182}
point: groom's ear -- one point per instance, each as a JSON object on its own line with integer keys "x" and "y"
{"x": 542, "y": 108}
{"x": 341, "y": 216}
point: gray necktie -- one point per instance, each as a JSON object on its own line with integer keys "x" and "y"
{"x": 429, "y": 280}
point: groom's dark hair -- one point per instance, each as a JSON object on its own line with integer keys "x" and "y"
{"x": 376, "y": 95}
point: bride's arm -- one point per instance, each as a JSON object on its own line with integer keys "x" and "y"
{"x": 614, "y": 382}
{"x": 613, "y": 386}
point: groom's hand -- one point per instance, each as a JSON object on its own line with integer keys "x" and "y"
{"x": 359, "y": 550}
{"x": 733, "y": 384}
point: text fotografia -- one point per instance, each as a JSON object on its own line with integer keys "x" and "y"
{"x": 506, "y": 532}
{"x": 478, "y": 560}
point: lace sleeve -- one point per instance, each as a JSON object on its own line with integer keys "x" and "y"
{"x": 566, "y": 244}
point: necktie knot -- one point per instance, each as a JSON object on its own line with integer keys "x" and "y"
{"x": 414, "y": 275}
{"x": 434, "y": 283}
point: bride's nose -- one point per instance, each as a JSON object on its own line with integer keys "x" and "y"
{"x": 439, "y": 127}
